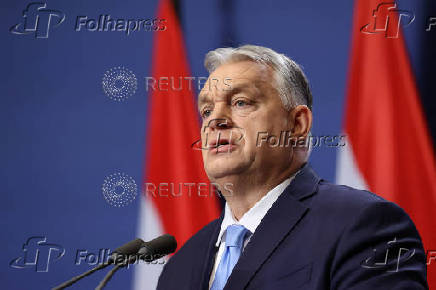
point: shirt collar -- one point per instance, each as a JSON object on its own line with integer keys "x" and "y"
{"x": 252, "y": 218}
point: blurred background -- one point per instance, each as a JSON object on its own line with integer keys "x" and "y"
{"x": 64, "y": 138}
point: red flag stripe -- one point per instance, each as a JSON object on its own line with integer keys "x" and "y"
{"x": 173, "y": 127}
{"x": 386, "y": 126}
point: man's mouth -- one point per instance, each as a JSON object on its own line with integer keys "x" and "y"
{"x": 222, "y": 145}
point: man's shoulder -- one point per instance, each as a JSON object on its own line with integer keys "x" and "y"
{"x": 341, "y": 202}
{"x": 197, "y": 242}
{"x": 318, "y": 193}
{"x": 343, "y": 196}
{"x": 361, "y": 223}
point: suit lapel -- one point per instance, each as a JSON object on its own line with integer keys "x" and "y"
{"x": 209, "y": 258}
{"x": 275, "y": 226}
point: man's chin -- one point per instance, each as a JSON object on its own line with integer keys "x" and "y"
{"x": 223, "y": 169}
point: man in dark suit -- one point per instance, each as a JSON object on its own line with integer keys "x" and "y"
{"x": 283, "y": 227}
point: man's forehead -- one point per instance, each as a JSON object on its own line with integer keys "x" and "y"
{"x": 232, "y": 77}
{"x": 241, "y": 70}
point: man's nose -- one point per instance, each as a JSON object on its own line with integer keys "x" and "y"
{"x": 220, "y": 118}
{"x": 219, "y": 124}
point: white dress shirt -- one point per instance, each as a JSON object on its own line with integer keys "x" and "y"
{"x": 250, "y": 220}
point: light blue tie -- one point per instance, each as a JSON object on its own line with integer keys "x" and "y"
{"x": 235, "y": 236}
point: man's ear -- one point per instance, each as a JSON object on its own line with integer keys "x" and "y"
{"x": 301, "y": 117}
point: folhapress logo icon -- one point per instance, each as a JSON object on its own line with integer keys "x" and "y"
{"x": 38, "y": 254}
{"x": 388, "y": 258}
{"x": 38, "y": 19}
{"x": 234, "y": 137}
{"x": 387, "y": 19}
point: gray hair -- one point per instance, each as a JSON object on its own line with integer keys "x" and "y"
{"x": 293, "y": 86}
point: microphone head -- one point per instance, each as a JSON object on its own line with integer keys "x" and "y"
{"x": 126, "y": 253}
{"x": 157, "y": 248}
{"x": 131, "y": 247}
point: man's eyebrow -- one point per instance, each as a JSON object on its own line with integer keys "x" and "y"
{"x": 240, "y": 87}
{"x": 205, "y": 98}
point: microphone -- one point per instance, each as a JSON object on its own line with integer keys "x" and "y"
{"x": 149, "y": 251}
{"x": 128, "y": 250}
{"x": 128, "y": 253}
{"x": 157, "y": 248}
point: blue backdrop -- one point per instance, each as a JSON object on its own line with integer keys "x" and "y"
{"x": 62, "y": 136}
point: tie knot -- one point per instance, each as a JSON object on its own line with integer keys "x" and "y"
{"x": 235, "y": 235}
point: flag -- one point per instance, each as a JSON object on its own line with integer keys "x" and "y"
{"x": 389, "y": 150}
{"x": 177, "y": 198}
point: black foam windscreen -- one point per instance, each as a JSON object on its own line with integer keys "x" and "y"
{"x": 130, "y": 248}
{"x": 161, "y": 246}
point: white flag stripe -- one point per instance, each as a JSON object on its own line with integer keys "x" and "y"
{"x": 149, "y": 227}
{"x": 347, "y": 171}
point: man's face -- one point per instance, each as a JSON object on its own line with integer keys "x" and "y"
{"x": 237, "y": 103}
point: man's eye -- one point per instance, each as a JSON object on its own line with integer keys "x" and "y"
{"x": 240, "y": 103}
{"x": 206, "y": 113}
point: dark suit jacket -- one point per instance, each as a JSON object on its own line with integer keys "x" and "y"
{"x": 317, "y": 235}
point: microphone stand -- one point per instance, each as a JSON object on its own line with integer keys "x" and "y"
{"x": 77, "y": 278}
{"x": 109, "y": 276}
{"x": 135, "y": 250}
